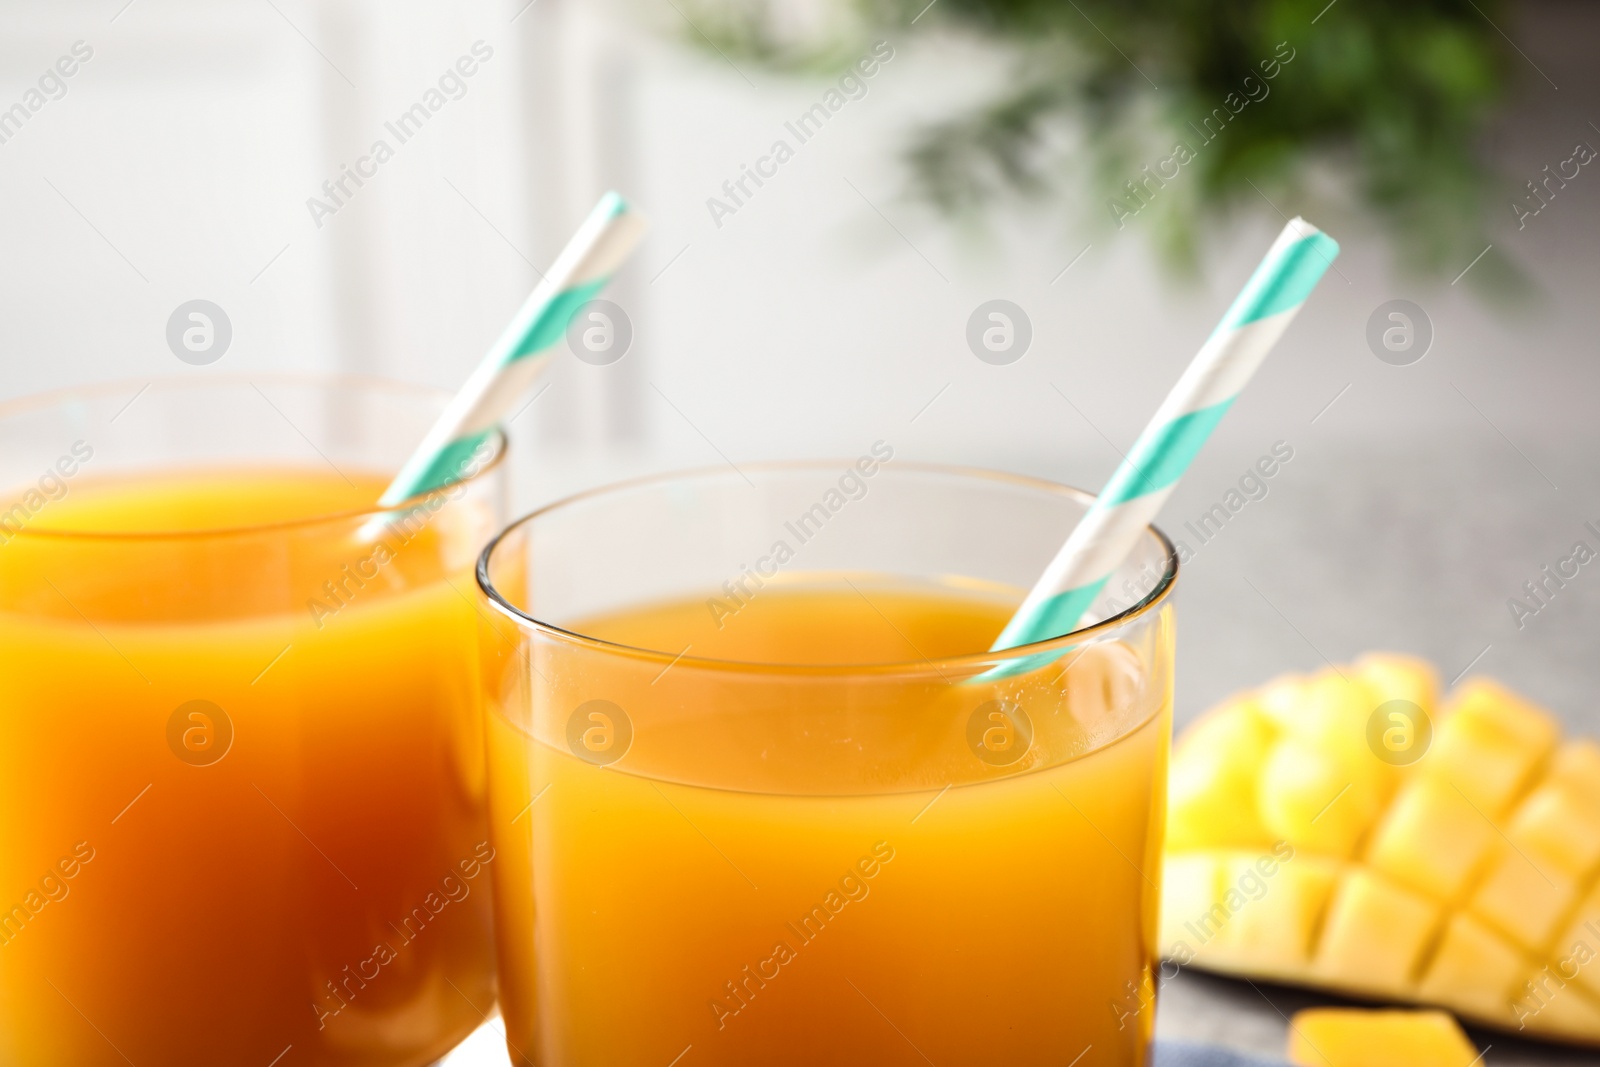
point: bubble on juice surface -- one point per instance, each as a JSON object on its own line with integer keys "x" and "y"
{"x": 1103, "y": 682}
{"x": 999, "y": 732}
{"x": 199, "y": 733}
{"x": 599, "y": 732}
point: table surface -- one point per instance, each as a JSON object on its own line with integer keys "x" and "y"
{"x": 1194, "y": 1006}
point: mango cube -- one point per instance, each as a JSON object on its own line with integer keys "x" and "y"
{"x": 1311, "y": 798}
{"x": 1237, "y": 731}
{"x": 1474, "y": 969}
{"x": 1523, "y": 899}
{"x": 1281, "y": 699}
{"x": 1558, "y": 825}
{"x": 1272, "y": 929}
{"x": 1576, "y": 765}
{"x": 1578, "y": 947}
{"x": 1374, "y": 933}
{"x": 1333, "y": 709}
{"x": 1353, "y": 1037}
{"x": 1489, "y": 743}
{"x": 1432, "y": 838}
{"x": 1527, "y": 726}
{"x": 1393, "y": 677}
{"x": 1211, "y": 789}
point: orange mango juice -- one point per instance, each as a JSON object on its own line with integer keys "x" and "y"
{"x": 241, "y": 781}
{"x": 792, "y": 864}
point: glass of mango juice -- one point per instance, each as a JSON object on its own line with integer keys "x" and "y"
{"x": 242, "y": 793}
{"x": 758, "y": 794}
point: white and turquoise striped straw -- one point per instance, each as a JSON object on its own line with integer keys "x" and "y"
{"x": 581, "y": 270}
{"x": 1143, "y": 481}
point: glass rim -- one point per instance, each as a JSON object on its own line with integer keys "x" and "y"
{"x": 60, "y": 397}
{"x": 1158, "y": 594}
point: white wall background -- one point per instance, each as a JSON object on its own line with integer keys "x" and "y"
{"x": 829, "y": 311}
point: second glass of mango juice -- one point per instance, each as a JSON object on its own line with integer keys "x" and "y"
{"x": 241, "y": 777}
{"x": 758, "y": 795}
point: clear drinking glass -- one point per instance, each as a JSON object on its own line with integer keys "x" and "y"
{"x": 241, "y": 776}
{"x": 856, "y": 859}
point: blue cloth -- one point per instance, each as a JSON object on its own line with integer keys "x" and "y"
{"x": 1184, "y": 1054}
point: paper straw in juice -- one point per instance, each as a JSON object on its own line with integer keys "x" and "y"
{"x": 1114, "y": 522}
{"x": 582, "y": 269}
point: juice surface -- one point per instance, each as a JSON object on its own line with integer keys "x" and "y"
{"x": 207, "y": 500}
{"x": 300, "y": 870}
{"x": 865, "y": 622}
{"x": 797, "y": 867}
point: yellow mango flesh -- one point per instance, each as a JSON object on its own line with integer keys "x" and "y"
{"x": 1211, "y": 788}
{"x": 1352, "y": 1037}
{"x": 1449, "y": 856}
{"x": 1272, "y": 931}
{"x": 1374, "y": 934}
{"x": 1432, "y": 839}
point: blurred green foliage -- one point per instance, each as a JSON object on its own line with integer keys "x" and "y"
{"x": 1383, "y": 105}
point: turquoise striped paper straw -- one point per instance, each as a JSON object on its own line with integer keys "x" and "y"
{"x": 581, "y": 270}
{"x": 1141, "y": 484}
